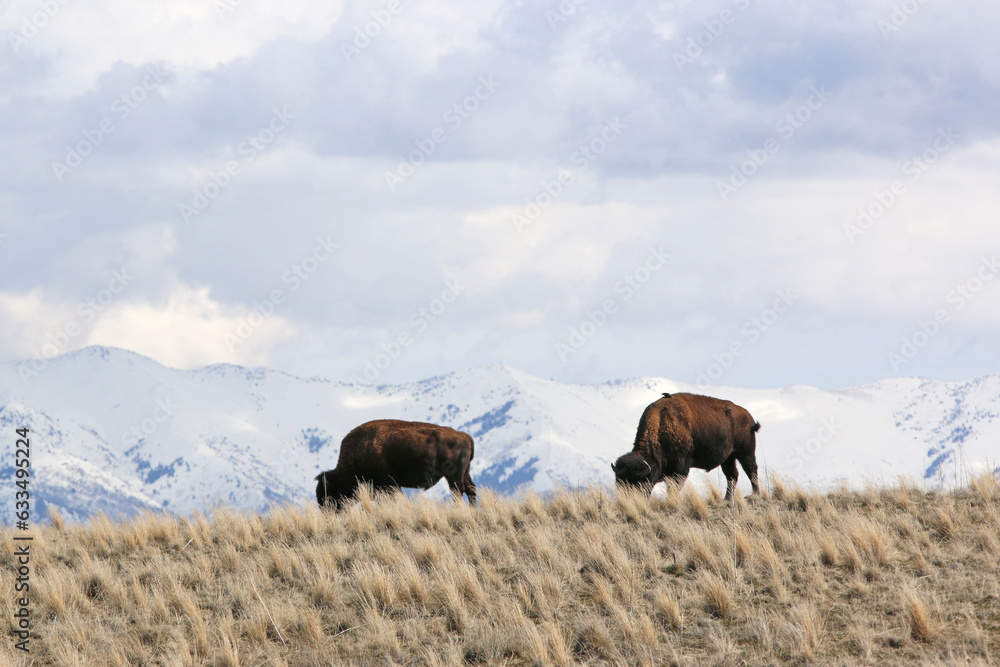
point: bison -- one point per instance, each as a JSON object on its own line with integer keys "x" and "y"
{"x": 389, "y": 454}
{"x": 683, "y": 431}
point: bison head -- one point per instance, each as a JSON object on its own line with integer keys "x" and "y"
{"x": 633, "y": 470}
{"x": 328, "y": 491}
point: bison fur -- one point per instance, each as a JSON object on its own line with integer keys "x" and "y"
{"x": 390, "y": 453}
{"x": 683, "y": 431}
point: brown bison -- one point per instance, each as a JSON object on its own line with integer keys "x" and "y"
{"x": 683, "y": 431}
{"x": 389, "y": 454}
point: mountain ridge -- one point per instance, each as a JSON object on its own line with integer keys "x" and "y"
{"x": 117, "y": 432}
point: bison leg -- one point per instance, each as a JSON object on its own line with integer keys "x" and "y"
{"x": 732, "y": 474}
{"x": 749, "y": 463}
{"x": 470, "y": 488}
{"x": 459, "y": 485}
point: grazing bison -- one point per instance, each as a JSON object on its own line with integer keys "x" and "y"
{"x": 389, "y": 454}
{"x": 683, "y": 431}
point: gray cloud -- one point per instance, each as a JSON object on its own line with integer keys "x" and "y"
{"x": 482, "y": 112}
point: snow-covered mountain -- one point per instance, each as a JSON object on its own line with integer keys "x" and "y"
{"x": 114, "y": 431}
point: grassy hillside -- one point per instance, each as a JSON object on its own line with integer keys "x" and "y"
{"x": 894, "y": 576}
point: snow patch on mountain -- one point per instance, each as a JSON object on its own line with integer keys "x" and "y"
{"x": 115, "y": 432}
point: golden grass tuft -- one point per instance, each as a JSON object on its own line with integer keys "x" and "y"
{"x": 719, "y": 601}
{"x": 882, "y": 576}
{"x": 827, "y": 550}
{"x": 922, "y": 626}
{"x": 695, "y": 505}
{"x": 986, "y": 486}
{"x": 806, "y": 629}
{"x": 944, "y": 523}
{"x": 667, "y": 609}
{"x": 594, "y": 640}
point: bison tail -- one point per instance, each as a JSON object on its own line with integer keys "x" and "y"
{"x": 755, "y": 427}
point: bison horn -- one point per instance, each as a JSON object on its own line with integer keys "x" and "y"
{"x": 649, "y": 469}
{"x": 613, "y": 468}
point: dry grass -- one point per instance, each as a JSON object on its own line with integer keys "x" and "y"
{"x": 893, "y": 576}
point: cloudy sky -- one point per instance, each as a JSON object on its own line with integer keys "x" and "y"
{"x": 734, "y": 192}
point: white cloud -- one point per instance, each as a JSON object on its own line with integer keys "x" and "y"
{"x": 191, "y": 329}
{"x": 82, "y": 41}
{"x": 32, "y": 328}
{"x": 187, "y": 329}
{"x": 657, "y": 184}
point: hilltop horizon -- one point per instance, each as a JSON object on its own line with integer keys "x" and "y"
{"x": 32, "y": 366}
{"x": 118, "y": 432}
